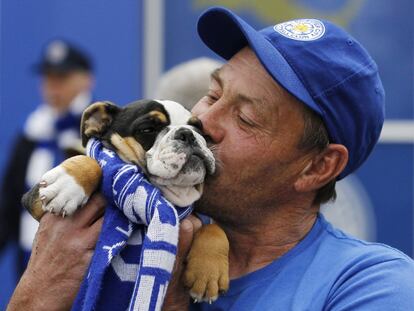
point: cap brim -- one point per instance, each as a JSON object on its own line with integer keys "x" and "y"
{"x": 59, "y": 69}
{"x": 225, "y": 33}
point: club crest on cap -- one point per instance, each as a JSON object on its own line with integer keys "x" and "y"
{"x": 301, "y": 29}
{"x": 56, "y": 52}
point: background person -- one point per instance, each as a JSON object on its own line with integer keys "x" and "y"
{"x": 50, "y": 134}
{"x": 187, "y": 82}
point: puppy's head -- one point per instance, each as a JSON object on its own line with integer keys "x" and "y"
{"x": 161, "y": 137}
{"x": 130, "y": 131}
{"x": 179, "y": 161}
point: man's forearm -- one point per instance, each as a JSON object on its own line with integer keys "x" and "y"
{"x": 25, "y": 296}
{"x": 62, "y": 250}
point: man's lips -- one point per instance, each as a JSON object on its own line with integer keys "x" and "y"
{"x": 207, "y": 157}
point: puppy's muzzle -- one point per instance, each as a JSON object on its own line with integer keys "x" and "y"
{"x": 178, "y": 152}
{"x": 197, "y": 148}
{"x": 185, "y": 135}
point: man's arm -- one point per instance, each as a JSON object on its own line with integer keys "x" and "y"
{"x": 62, "y": 250}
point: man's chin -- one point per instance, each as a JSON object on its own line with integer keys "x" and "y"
{"x": 202, "y": 206}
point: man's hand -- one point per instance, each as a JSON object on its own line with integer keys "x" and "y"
{"x": 61, "y": 253}
{"x": 178, "y": 298}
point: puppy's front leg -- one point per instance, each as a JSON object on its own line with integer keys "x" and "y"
{"x": 207, "y": 271}
{"x": 64, "y": 188}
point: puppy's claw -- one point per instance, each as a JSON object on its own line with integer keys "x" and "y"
{"x": 63, "y": 214}
{"x": 43, "y": 183}
{"x": 210, "y": 301}
{"x": 42, "y": 198}
{"x": 195, "y": 300}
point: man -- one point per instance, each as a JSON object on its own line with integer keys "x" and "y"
{"x": 50, "y": 134}
{"x": 298, "y": 106}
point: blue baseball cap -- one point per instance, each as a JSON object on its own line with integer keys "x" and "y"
{"x": 60, "y": 56}
{"x": 318, "y": 63}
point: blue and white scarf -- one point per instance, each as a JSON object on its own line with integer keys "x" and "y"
{"x": 135, "y": 253}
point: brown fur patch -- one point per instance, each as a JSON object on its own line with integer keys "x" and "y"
{"x": 194, "y": 121}
{"x": 31, "y": 202}
{"x": 159, "y": 115}
{"x": 207, "y": 262}
{"x": 95, "y": 120}
{"x": 199, "y": 187}
{"x": 37, "y": 211}
{"x": 129, "y": 149}
{"x": 86, "y": 172}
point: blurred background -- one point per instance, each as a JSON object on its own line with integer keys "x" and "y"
{"x": 132, "y": 42}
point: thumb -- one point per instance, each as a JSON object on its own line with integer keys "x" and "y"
{"x": 185, "y": 238}
{"x": 188, "y": 227}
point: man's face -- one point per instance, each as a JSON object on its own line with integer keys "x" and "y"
{"x": 255, "y": 127}
{"x": 59, "y": 89}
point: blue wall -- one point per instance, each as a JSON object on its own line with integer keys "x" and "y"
{"x": 109, "y": 30}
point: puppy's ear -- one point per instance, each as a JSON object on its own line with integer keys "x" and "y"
{"x": 96, "y": 120}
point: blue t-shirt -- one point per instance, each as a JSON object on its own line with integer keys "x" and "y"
{"x": 327, "y": 270}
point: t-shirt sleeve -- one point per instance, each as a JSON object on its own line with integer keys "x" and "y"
{"x": 386, "y": 285}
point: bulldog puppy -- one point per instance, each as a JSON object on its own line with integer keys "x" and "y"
{"x": 166, "y": 142}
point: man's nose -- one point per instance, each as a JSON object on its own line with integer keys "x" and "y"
{"x": 185, "y": 135}
{"x": 212, "y": 121}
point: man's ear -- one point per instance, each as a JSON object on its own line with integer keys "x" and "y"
{"x": 96, "y": 119}
{"x": 324, "y": 167}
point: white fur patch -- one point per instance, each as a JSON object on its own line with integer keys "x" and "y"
{"x": 175, "y": 168}
{"x": 178, "y": 114}
{"x": 62, "y": 194}
{"x": 166, "y": 160}
{"x": 180, "y": 196}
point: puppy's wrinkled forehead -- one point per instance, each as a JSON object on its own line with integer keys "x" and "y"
{"x": 164, "y": 112}
{"x": 138, "y": 112}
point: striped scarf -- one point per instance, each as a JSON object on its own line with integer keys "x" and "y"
{"x": 136, "y": 250}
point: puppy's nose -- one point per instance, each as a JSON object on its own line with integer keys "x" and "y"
{"x": 185, "y": 135}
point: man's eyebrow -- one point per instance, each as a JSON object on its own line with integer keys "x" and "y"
{"x": 256, "y": 102}
{"x": 246, "y": 99}
{"x": 215, "y": 75}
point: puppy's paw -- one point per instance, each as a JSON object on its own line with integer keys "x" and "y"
{"x": 206, "y": 277}
{"x": 60, "y": 193}
{"x": 207, "y": 271}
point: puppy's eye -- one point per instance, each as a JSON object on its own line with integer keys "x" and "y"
{"x": 147, "y": 130}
